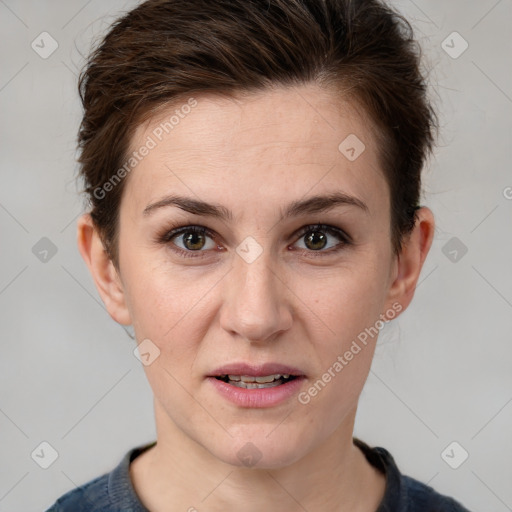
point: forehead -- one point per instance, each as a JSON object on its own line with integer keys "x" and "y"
{"x": 302, "y": 137}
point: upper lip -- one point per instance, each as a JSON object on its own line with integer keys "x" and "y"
{"x": 256, "y": 370}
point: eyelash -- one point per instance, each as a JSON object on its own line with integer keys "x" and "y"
{"x": 167, "y": 237}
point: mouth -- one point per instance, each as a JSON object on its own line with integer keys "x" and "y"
{"x": 256, "y": 382}
{"x": 247, "y": 385}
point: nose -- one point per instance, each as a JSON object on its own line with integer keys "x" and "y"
{"x": 256, "y": 303}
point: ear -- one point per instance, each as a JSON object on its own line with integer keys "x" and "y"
{"x": 102, "y": 269}
{"x": 409, "y": 262}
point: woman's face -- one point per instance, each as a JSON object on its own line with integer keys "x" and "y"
{"x": 250, "y": 284}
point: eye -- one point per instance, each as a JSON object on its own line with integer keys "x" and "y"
{"x": 189, "y": 239}
{"x": 196, "y": 241}
{"x": 322, "y": 238}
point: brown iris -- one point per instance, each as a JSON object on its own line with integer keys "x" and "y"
{"x": 315, "y": 240}
{"x": 194, "y": 241}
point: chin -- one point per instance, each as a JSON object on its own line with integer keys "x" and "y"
{"x": 260, "y": 448}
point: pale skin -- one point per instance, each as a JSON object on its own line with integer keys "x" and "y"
{"x": 293, "y": 304}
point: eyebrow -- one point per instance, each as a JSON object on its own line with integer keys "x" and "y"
{"x": 314, "y": 204}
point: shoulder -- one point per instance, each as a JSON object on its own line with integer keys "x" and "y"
{"x": 420, "y": 497}
{"x": 111, "y": 492}
{"x": 403, "y": 493}
{"x": 90, "y": 496}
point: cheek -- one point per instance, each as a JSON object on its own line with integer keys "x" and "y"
{"x": 173, "y": 311}
{"x": 345, "y": 301}
{"x": 344, "y": 343}
{"x": 344, "y": 311}
{"x": 162, "y": 299}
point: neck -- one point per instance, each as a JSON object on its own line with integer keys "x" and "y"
{"x": 179, "y": 474}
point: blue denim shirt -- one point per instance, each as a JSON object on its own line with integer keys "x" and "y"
{"x": 114, "y": 492}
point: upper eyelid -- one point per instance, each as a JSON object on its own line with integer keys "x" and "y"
{"x": 171, "y": 233}
{"x": 320, "y": 227}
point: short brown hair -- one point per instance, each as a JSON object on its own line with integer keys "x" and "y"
{"x": 166, "y": 50}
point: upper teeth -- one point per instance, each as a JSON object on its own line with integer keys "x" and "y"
{"x": 260, "y": 380}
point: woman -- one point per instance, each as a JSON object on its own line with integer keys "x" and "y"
{"x": 254, "y": 172}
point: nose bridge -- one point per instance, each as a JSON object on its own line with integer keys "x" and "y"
{"x": 255, "y": 305}
{"x": 257, "y": 278}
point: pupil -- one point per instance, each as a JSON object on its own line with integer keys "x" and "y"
{"x": 193, "y": 241}
{"x": 316, "y": 240}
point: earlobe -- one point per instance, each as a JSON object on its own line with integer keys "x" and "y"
{"x": 411, "y": 258}
{"x": 103, "y": 271}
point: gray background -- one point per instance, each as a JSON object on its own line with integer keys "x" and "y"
{"x": 442, "y": 371}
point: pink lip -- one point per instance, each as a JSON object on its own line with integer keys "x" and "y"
{"x": 256, "y": 398}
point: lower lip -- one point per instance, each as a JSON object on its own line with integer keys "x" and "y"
{"x": 259, "y": 397}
